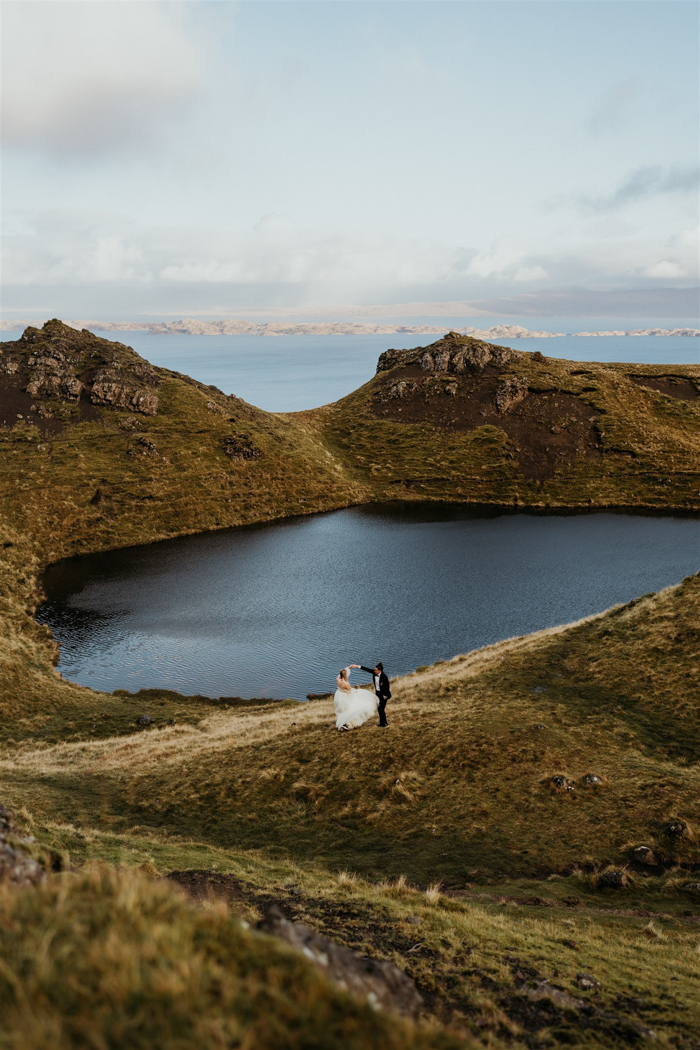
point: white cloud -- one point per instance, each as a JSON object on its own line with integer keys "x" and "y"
{"x": 80, "y": 250}
{"x": 92, "y": 77}
{"x": 664, "y": 269}
{"x": 530, "y": 273}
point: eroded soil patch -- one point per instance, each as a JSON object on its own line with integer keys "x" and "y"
{"x": 674, "y": 386}
{"x": 547, "y": 429}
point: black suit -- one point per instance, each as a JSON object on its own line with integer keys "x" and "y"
{"x": 383, "y": 692}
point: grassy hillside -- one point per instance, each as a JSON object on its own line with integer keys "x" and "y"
{"x": 469, "y": 844}
{"x": 445, "y": 845}
{"x": 512, "y": 427}
{"x": 110, "y": 959}
{"x": 462, "y": 787}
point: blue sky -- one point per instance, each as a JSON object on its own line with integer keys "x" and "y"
{"x": 219, "y": 157}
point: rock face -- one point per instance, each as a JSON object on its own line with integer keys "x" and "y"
{"x": 379, "y": 982}
{"x": 16, "y": 864}
{"x": 57, "y": 363}
{"x": 510, "y": 391}
{"x": 454, "y": 353}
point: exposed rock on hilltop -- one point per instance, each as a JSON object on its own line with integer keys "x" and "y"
{"x": 453, "y": 353}
{"x": 58, "y": 364}
{"x": 466, "y": 419}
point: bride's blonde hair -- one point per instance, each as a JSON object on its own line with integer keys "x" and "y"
{"x": 343, "y": 673}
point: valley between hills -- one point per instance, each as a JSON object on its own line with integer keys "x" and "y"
{"x": 524, "y": 846}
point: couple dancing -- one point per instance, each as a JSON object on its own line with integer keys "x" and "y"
{"x": 354, "y": 706}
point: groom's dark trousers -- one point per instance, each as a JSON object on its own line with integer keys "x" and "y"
{"x": 383, "y": 692}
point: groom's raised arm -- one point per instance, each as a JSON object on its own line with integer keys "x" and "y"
{"x": 367, "y": 670}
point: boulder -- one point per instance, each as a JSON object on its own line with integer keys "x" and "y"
{"x": 616, "y": 880}
{"x": 379, "y": 982}
{"x": 561, "y": 783}
{"x": 144, "y": 720}
{"x": 592, "y": 780}
{"x": 646, "y": 855}
{"x": 692, "y": 887}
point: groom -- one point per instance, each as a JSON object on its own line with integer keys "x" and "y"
{"x": 381, "y": 688}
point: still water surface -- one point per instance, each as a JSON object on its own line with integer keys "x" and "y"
{"x": 275, "y": 610}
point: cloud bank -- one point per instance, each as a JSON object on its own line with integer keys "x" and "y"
{"x": 93, "y": 78}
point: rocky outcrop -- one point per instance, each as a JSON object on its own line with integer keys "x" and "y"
{"x": 454, "y": 353}
{"x": 510, "y": 391}
{"x": 109, "y": 387}
{"x": 58, "y": 363}
{"x": 377, "y": 981}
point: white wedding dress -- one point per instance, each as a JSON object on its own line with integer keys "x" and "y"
{"x": 353, "y": 708}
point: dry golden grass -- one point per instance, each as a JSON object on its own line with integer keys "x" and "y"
{"x": 450, "y": 818}
{"x": 110, "y": 959}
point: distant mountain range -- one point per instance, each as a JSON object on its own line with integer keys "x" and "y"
{"x": 192, "y": 326}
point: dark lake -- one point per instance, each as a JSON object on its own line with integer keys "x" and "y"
{"x": 274, "y": 610}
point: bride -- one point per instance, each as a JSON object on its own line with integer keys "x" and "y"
{"x": 352, "y": 706}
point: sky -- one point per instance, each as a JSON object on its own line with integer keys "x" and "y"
{"x": 222, "y": 158}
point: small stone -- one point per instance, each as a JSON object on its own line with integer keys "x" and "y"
{"x": 586, "y": 982}
{"x": 539, "y": 725}
{"x": 592, "y": 780}
{"x": 562, "y": 783}
{"x": 645, "y": 855}
{"x": 677, "y": 829}
{"x": 692, "y": 887}
{"x": 613, "y": 880}
{"x": 144, "y": 720}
